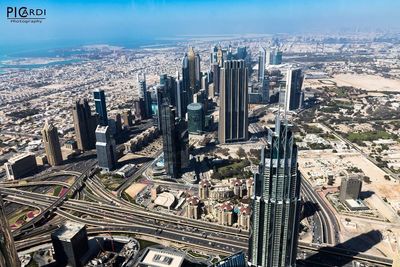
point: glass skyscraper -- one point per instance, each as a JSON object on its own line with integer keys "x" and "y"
{"x": 276, "y": 202}
{"x": 101, "y": 109}
{"x": 233, "y": 110}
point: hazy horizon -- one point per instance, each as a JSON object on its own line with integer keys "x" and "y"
{"x": 114, "y": 22}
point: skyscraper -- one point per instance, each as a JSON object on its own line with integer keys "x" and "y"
{"x": 233, "y": 110}
{"x": 145, "y": 95}
{"x": 261, "y": 63}
{"x": 8, "y": 252}
{"x": 175, "y": 141}
{"x": 85, "y": 125}
{"x": 51, "y": 144}
{"x": 276, "y": 202}
{"x": 186, "y": 80}
{"x": 192, "y": 68}
{"x": 274, "y": 57}
{"x": 105, "y": 148}
{"x": 100, "y": 104}
{"x": 294, "y": 82}
{"x": 216, "y": 78}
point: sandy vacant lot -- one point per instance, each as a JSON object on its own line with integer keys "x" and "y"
{"x": 367, "y": 82}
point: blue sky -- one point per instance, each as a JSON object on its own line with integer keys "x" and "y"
{"x": 106, "y": 21}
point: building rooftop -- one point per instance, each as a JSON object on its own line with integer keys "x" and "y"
{"x": 165, "y": 199}
{"x": 19, "y": 157}
{"x": 68, "y": 230}
{"x": 161, "y": 258}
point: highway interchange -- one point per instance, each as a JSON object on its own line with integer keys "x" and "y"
{"x": 88, "y": 202}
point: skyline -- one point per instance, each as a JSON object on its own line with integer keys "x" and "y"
{"x": 96, "y": 21}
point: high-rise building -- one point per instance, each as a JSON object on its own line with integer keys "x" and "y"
{"x": 70, "y": 243}
{"x": 233, "y": 110}
{"x": 197, "y": 69}
{"x": 194, "y": 69}
{"x": 127, "y": 118}
{"x": 213, "y": 55}
{"x": 276, "y": 202}
{"x": 52, "y": 144}
{"x": 274, "y": 57}
{"x": 220, "y": 56}
{"x": 215, "y": 78}
{"x": 261, "y": 63}
{"x": 175, "y": 141}
{"x": 105, "y": 148}
{"x": 8, "y": 252}
{"x": 186, "y": 79}
{"x": 181, "y": 97}
{"x": 350, "y": 188}
{"x": 294, "y": 82}
{"x": 100, "y": 104}
{"x": 145, "y": 95}
{"x": 264, "y": 90}
{"x": 236, "y": 260}
{"x": 85, "y": 125}
{"x": 196, "y": 118}
{"x": 20, "y": 166}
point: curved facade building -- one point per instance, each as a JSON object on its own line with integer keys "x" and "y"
{"x": 195, "y": 118}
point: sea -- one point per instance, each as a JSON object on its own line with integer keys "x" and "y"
{"x": 62, "y": 49}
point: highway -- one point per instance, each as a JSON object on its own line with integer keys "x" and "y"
{"x": 326, "y": 223}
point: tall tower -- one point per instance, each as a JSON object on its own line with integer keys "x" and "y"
{"x": 294, "y": 82}
{"x": 192, "y": 69}
{"x": 51, "y": 144}
{"x": 261, "y": 63}
{"x": 85, "y": 125}
{"x": 101, "y": 109}
{"x": 197, "y": 62}
{"x": 144, "y": 94}
{"x": 233, "y": 110}
{"x": 105, "y": 148}
{"x": 8, "y": 252}
{"x": 186, "y": 80}
{"x": 276, "y": 202}
{"x": 175, "y": 141}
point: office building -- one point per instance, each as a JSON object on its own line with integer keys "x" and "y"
{"x": 350, "y": 188}
{"x": 195, "y": 118}
{"x": 85, "y": 125}
{"x": 194, "y": 70}
{"x": 264, "y": 84}
{"x": 8, "y": 252}
{"x": 233, "y": 110}
{"x": 175, "y": 141}
{"x": 274, "y": 57}
{"x": 276, "y": 202}
{"x": 105, "y": 148}
{"x": 127, "y": 118}
{"x": 186, "y": 80}
{"x": 140, "y": 109}
{"x": 52, "y": 144}
{"x": 20, "y": 166}
{"x": 181, "y": 97}
{"x": 70, "y": 243}
{"x": 236, "y": 260}
{"x": 100, "y": 104}
{"x": 294, "y": 83}
{"x": 261, "y": 63}
{"x": 145, "y": 96}
{"x": 215, "y": 69}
